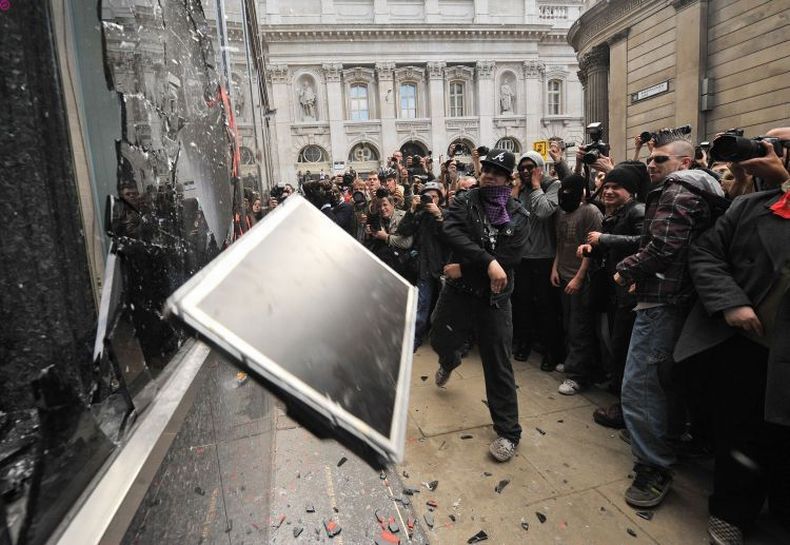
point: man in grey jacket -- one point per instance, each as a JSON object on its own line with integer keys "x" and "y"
{"x": 536, "y": 303}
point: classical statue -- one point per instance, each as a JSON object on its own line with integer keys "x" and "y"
{"x": 307, "y": 100}
{"x": 506, "y": 98}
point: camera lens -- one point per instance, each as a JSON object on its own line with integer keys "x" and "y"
{"x": 591, "y": 156}
{"x": 732, "y": 148}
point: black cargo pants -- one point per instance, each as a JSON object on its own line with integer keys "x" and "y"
{"x": 457, "y": 316}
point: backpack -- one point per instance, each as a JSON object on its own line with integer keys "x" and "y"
{"x": 716, "y": 204}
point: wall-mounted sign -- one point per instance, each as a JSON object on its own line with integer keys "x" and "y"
{"x": 339, "y": 166}
{"x": 542, "y": 147}
{"x": 650, "y": 92}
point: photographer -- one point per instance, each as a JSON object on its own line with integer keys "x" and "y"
{"x": 327, "y": 198}
{"x": 486, "y": 230}
{"x": 741, "y": 270}
{"x": 424, "y": 221}
{"x": 382, "y": 237}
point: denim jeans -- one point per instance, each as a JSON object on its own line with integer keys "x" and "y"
{"x": 426, "y": 291}
{"x": 645, "y": 395}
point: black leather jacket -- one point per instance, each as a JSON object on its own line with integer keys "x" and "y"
{"x": 620, "y": 237}
{"x": 474, "y": 245}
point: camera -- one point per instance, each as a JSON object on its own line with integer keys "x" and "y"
{"x": 733, "y": 147}
{"x": 359, "y": 198}
{"x": 597, "y": 146}
{"x": 482, "y": 151}
{"x": 646, "y": 136}
{"x": 374, "y": 221}
{"x": 382, "y": 192}
{"x": 278, "y": 193}
{"x": 348, "y": 179}
{"x": 415, "y": 160}
{"x": 425, "y": 199}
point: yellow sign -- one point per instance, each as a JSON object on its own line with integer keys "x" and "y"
{"x": 542, "y": 147}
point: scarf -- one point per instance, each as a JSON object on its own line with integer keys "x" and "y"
{"x": 495, "y": 204}
{"x": 782, "y": 207}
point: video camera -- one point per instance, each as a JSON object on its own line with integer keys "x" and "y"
{"x": 733, "y": 147}
{"x": 596, "y": 147}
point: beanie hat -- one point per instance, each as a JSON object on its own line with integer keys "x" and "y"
{"x": 533, "y": 156}
{"x": 630, "y": 175}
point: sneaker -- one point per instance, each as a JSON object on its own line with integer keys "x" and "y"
{"x": 560, "y": 367}
{"x": 502, "y": 449}
{"x": 724, "y": 533}
{"x": 570, "y": 387}
{"x": 649, "y": 488}
{"x": 611, "y": 417}
{"x": 442, "y": 376}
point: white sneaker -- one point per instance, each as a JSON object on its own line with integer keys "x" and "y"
{"x": 569, "y": 387}
{"x": 560, "y": 368}
{"x": 502, "y": 449}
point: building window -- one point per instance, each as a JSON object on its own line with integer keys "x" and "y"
{"x": 509, "y": 144}
{"x": 362, "y": 153}
{"x": 312, "y": 154}
{"x": 457, "y": 99}
{"x": 247, "y": 156}
{"x": 555, "y": 97}
{"x": 359, "y": 102}
{"x": 408, "y": 100}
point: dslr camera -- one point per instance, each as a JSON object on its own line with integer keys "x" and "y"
{"x": 733, "y": 147}
{"x": 277, "y": 193}
{"x": 596, "y": 147}
{"x": 482, "y": 151}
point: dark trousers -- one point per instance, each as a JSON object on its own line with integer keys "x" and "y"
{"x": 752, "y": 455}
{"x": 581, "y": 356}
{"x": 536, "y": 307}
{"x": 457, "y": 316}
{"x": 621, "y": 323}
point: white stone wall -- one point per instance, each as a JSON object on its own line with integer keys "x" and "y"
{"x": 482, "y": 44}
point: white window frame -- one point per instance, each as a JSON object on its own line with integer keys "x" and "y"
{"x": 554, "y": 93}
{"x": 404, "y": 113}
{"x": 457, "y": 101}
{"x": 357, "y": 101}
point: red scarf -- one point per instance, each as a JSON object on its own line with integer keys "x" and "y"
{"x": 782, "y": 207}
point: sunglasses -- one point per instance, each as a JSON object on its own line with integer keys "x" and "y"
{"x": 658, "y": 159}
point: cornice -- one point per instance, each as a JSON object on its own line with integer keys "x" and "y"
{"x": 330, "y": 33}
{"x": 607, "y": 18}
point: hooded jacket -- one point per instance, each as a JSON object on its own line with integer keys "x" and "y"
{"x": 674, "y": 218}
{"x": 541, "y": 205}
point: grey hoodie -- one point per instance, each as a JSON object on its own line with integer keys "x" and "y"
{"x": 541, "y": 204}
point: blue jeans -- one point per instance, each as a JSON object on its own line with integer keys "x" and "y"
{"x": 426, "y": 290}
{"x": 644, "y": 395}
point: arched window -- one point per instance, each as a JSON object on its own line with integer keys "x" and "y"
{"x": 359, "y": 102}
{"x": 247, "y": 156}
{"x": 555, "y": 97}
{"x": 509, "y": 144}
{"x": 457, "y": 99}
{"x": 362, "y": 153}
{"x": 312, "y": 154}
{"x": 408, "y": 100}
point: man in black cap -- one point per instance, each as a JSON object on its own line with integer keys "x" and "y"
{"x": 486, "y": 230}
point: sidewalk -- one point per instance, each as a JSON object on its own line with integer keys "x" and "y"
{"x": 567, "y": 468}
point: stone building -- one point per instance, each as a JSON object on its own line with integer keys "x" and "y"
{"x": 648, "y": 64}
{"x": 354, "y": 80}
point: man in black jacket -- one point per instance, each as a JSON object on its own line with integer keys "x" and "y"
{"x": 486, "y": 230}
{"x": 741, "y": 271}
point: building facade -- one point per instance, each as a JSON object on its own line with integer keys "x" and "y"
{"x": 648, "y": 64}
{"x": 352, "y": 81}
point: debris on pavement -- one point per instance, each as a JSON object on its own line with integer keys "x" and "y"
{"x": 241, "y": 378}
{"x": 309, "y": 508}
{"x": 424, "y": 378}
{"x": 431, "y": 485}
{"x": 387, "y": 538}
{"x": 332, "y": 528}
{"x": 410, "y": 491}
{"x": 478, "y": 537}
{"x": 298, "y": 531}
{"x": 540, "y": 431}
{"x": 467, "y": 436}
{"x": 631, "y": 532}
{"x": 279, "y": 522}
{"x": 431, "y": 504}
{"x": 200, "y": 491}
{"x": 342, "y": 461}
{"x": 410, "y": 525}
{"x": 393, "y": 526}
{"x": 429, "y": 520}
{"x": 487, "y": 474}
{"x": 647, "y": 515}
{"x": 452, "y": 517}
{"x": 382, "y": 475}
{"x": 405, "y": 475}
{"x": 524, "y": 524}
{"x": 501, "y": 486}
{"x": 541, "y": 516}
{"x": 379, "y": 517}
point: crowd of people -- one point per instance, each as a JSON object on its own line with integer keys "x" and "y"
{"x": 664, "y": 278}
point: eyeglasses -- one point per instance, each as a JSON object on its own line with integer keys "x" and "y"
{"x": 662, "y": 158}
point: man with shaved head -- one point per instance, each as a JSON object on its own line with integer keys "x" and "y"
{"x": 674, "y": 216}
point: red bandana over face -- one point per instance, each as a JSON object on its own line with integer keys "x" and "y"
{"x": 782, "y": 207}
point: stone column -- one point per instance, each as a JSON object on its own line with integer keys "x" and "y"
{"x": 280, "y": 77}
{"x": 335, "y": 110}
{"x": 481, "y": 11}
{"x": 381, "y": 12}
{"x": 534, "y": 72}
{"x": 486, "y": 97}
{"x": 389, "y": 136}
{"x": 437, "y": 113}
{"x": 594, "y": 75}
{"x": 618, "y": 96}
{"x": 692, "y": 53}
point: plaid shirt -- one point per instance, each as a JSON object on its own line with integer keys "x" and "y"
{"x": 674, "y": 217}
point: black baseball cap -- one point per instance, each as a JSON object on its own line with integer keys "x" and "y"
{"x": 500, "y": 159}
